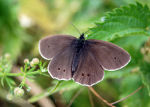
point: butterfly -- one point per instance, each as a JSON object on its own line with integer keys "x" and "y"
{"x": 82, "y": 60}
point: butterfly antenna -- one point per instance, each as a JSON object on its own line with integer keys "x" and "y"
{"x": 87, "y": 31}
{"x": 76, "y": 28}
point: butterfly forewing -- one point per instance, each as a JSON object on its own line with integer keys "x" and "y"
{"x": 89, "y": 72}
{"x": 60, "y": 66}
{"x": 110, "y": 56}
{"x": 52, "y": 45}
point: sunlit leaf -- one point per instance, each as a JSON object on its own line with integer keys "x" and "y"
{"x": 129, "y": 20}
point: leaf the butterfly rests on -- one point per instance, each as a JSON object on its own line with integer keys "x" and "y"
{"x": 130, "y": 20}
{"x": 82, "y": 60}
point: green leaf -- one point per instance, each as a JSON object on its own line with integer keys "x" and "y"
{"x": 82, "y": 100}
{"x": 145, "y": 71}
{"x": 129, "y": 20}
{"x": 65, "y": 85}
{"x": 119, "y": 73}
{"x": 2, "y": 81}
{"x": 130, "y": 84}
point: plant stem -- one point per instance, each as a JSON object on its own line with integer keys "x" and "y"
{"x": 11, "y": 74}
{"x": 101, "y": 98}
{"x": 90, "y": 98}
{"x": 128, "y": 95}
{"x": 18, "y": 74}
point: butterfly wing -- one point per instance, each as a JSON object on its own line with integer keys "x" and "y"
{"x": 60, "y": 66}
{"x": 50, "y": 46}
{"x": 89, "y": 72}
{"x": 110, "y": 56}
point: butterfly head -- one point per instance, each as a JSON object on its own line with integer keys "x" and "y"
{"x": 82, "y": 37}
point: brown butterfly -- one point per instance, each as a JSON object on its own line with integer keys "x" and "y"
{"x": 82, "y": 60}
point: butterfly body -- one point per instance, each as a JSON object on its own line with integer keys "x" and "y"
{"x": 82, "y": 60}
{"x": 78, "y": 46}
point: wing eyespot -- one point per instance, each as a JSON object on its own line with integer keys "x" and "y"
{"x": 115, "y": 57}
{"x": 58, "y": 68}
{"x": 88, "y": 75}
{"x": 64, "y": 70}
{"x": 82, "y": 74}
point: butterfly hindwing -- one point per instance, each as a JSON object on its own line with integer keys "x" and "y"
{"x": 51, "y": 45}
{"x": 110, "y": 56}
{"x": 89, "y": 72}
{"x": 60, "y": 66}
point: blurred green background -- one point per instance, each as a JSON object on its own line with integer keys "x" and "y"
{"x": 24, "y": 22}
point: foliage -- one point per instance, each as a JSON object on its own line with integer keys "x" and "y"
{"x": 27, "y": 72}
{"x": 12, "y": 35}
{"x": 129, "y": 20}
